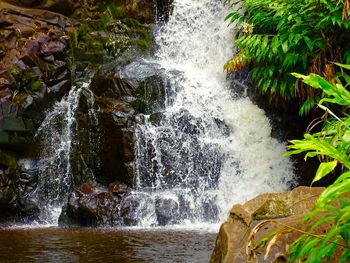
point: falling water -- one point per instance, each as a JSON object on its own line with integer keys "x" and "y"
{"x": 58, "y": 134}
{"x": 209, "y": 149}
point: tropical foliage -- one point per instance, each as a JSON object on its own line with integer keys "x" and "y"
{"x": 332, "y": 146}
{"x": 280, "y": 37}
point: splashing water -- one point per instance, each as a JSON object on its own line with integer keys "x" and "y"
{"x": 209, "y": 149}
{"x": 58, "y": 134}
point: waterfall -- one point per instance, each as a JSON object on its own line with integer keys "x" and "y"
{"x": 58, "y": 136}
{"x": 210, "y": 148}
{"x": 200, "y": 151}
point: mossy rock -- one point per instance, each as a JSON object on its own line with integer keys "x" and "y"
{"x": 272, "y": 209}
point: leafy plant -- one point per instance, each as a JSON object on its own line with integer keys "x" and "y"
{"x": 26, "y": 80}
{"x": 280, "y": 36}
{"x": 332, "y": 146}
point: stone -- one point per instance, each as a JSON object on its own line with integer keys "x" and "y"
{"x": 287, "y": 208}
{"x": 89, "y": 205}
{"x": 118, "y": 189}
{"x": 239, "y": 213}
{"x": 28, "y": 177}
{"x": 167, "y": 211}
{"x": 135, "y": 207}
{"x": 59, "y": 90}
{"x": 7, "y": 195}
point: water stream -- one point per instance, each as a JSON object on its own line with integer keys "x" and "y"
{"x": 211, "y": 148}
{"x": 207, "y": 148}
{"x": 58, "y": 135}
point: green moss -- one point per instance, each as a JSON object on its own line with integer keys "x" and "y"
{"x": 272, "y": 209}
{"x": 26, "y": 80}
{"x": 141, "y": 106}
{"x": 106, "y": 31}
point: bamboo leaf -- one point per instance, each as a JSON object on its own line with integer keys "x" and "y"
{"x": 323, "y": 170}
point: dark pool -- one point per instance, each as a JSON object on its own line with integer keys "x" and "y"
{"x": 90, "y": 245}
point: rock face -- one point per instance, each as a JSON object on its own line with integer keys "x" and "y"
{"x": 122, "y": 92}
{"x": 285, "y": 208}
{"x": 65, "y": 7}
{"x": 33, "y": 75}
{"x": 164, "y": 9}
{"x": 33, "y": 69}
{"x": 91, "y": 205}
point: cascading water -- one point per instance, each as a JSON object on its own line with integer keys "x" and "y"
{"x": 58, "y": 134}
{"x": 208, "y": 150}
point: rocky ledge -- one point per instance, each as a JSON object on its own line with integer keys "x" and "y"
{"x": 247, "y": 224}
{"x": 46, "y": 48}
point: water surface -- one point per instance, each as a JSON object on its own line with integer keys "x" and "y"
{"x": 93, "y": 245}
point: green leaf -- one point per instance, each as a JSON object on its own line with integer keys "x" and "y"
{"x": 309, "y": 43}
{"x": 285, "y": 47}
{"x": 323, "y": 170}
{"x": 343, "y": 65}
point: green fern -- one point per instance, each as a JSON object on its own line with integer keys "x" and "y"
{"x": 281, "y": 36}
{"x": 332, "y": 145}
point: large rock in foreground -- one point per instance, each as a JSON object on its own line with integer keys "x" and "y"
{"x": 275, "y": 209}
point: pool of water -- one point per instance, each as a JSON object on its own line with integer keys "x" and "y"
{"x": 104, "y": 245}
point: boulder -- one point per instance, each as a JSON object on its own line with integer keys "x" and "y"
{"x": 119, "y": 189}
{"x": 89, "y": 205}
{"x": 8, "y": 180}
{"x": 269, "y": 211}
{"x": 167, "y": 210}
{"x": 136, "y": 207}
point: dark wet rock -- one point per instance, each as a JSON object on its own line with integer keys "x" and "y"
{"x": 35, "y": 73}
{"x": 134, "y": 208}
{"x": 122, "y": 93}
{"x": 89, "y": 205}
{"x": 8, "y": 179}
{"x": 164, "y": 9}
{"x": 114, "y": 151}
{"x": 142, "y": 84}
{"x": 28, "y": 177}
{"x": 16, "y": 132}
{"x": 155, "y": 118}
{"x": 119, "y": 189}
{"x": 7, "y": 196}
{"x": 14, "y": 206}
{"x": 167, "y": 210}
{"x": 59, "y": 89}
{"x": 7, "y": 159}
{"x": 33, "y": 43}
